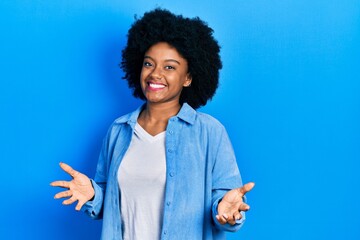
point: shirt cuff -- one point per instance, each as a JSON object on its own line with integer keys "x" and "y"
{"x": 93, "y": 207}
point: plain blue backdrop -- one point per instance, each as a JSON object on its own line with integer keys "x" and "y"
{"x": 289, "y": 98}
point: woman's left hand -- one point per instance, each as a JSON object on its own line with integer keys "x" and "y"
{"x": 232, "y": 203}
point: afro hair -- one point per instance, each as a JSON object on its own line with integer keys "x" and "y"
{"x": 191, "y": 37}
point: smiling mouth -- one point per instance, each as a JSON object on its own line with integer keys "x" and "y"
{"x": 156, "y": 86}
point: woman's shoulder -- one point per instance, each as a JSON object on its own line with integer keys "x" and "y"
{"x": 198, "y": 118}
{"x": 209, "y": 121}
{"x": 130, "y": 117}
{"x": 207, "y": 118}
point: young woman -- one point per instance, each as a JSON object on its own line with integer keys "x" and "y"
{"x": 165, "y": 170}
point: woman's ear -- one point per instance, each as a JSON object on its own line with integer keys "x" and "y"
{"x": 188, "y": 80}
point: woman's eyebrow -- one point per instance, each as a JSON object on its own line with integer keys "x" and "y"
{"x": 148, "y": 57}
{"x": 172, "y": 60}
{"x": 167, "y": 60}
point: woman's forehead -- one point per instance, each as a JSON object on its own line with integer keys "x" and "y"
{"x": 164, "y": 51}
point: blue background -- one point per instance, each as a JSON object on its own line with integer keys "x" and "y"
{"x": 289, "y": 98}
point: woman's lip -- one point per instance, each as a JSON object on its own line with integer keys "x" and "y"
{"x": 155, "y": 86}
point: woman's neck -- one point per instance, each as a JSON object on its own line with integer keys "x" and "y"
{"x": 154, "y": 117}
{"x": 161, "y": 112}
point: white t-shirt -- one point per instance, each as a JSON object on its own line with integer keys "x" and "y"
{"x": 141, "y": 177}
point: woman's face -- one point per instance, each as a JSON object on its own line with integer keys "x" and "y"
{"x": 164, "y": 73}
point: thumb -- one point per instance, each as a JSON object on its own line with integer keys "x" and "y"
{"x": 246, "y": 188}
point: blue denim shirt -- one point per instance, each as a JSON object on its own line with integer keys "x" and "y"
{"x": 200, "y": 169}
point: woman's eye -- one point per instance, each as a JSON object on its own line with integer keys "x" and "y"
{"x": 169, "y": 67}
{"x": 147, "y": 64}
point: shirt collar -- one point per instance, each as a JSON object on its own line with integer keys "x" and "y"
{"x": 186, "y": 113}
{"x": 130, "y": 118}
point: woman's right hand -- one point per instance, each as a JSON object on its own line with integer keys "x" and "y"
{"x": 78, "y": 189}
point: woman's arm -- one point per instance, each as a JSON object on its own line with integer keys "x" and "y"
{"x": 227, "y": 194}
{"x": 89, "y": 193}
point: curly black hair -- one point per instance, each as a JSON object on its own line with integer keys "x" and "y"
{"x": 191, "y": 37}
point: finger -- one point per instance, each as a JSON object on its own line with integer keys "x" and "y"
{"x": 221, "y": 219}
{"x": 231, "y": 220}
{"x": 237, "y": 216}
{"x": 69, "y": 201}
{"x": 79, "y": 205}
{"x": 244, "y": 207}
{"x": 69, "y": 170}
{"x": 63, "y": 184}
{"x": 246, "y": 188}
{"x": 63, "y": 194}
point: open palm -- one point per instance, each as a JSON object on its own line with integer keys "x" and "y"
{"x": 79, "y": 188}
{"x": 232, "y": 204}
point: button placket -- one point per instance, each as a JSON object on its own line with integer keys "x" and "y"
{"x": 170, "y": 159}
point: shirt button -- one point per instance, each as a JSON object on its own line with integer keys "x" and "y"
{"x": 171, "y": 132}
{"x": 168, "y": 203}
{"x": 172, "y": 174}
{"x": 169, "y": 150}
{"x": 165, "y": 232}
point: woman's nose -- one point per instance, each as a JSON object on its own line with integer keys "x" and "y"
{"x": 156, "y": 73}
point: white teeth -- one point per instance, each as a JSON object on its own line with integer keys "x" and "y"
{"x": 154, "y": 85}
